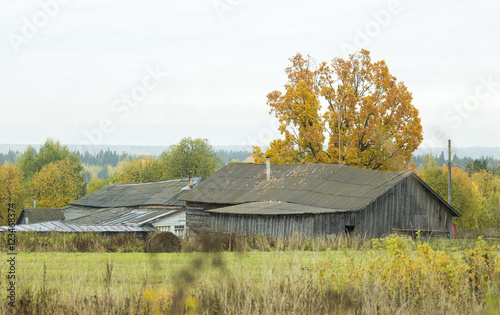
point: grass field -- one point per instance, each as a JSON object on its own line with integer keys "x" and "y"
{"x": 394, "y": 275}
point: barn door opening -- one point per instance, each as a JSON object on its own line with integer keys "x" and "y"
{"x": 349, "y": 230}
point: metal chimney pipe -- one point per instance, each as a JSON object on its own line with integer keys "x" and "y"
{"x": 268, "y": 168}
{"x": 190, "y": 179}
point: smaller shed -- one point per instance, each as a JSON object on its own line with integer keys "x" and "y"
{"x": 58, "y": 226}
{"x": 36, "y": 215}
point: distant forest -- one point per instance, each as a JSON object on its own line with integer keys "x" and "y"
{"x": 486, "y": 163}
{"x": 103, "y": 162}
{"x": 105, "y": 158}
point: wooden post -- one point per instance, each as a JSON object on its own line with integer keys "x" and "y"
{"x": 449, "y": 172}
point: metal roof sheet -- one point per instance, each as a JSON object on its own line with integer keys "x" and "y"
{"x": 328, "y": 186}
{"x": 164, "y": 193}
{"x": 58, "y": 226}
{"x": 111, "y": 216}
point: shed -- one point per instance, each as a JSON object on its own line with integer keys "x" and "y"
{"x": 316, "y": 199}
{"x": 36, "y": 215}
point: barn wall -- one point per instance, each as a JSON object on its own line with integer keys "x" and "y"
{"x": 405, "y": 208}
{"x": 273, "y": 225}
{"x": 277, "y": 226}
{"x": 420, "y": 210}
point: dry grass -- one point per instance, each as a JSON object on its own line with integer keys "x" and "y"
{"x": 264, "y": 276}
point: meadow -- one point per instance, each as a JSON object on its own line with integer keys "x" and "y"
{"x": 257, "y": 275}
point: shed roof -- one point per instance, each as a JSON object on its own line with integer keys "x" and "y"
{"x": 58, "y": 226}
{"x": 36, "y": 215}
{"x": 326, "y": 186}
{"x": 272, "y": 208}
{"x": 163, "y": 193}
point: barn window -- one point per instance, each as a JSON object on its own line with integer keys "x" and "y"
{"x": 349, "y": 229}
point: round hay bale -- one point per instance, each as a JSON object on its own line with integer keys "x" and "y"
{"x": 162, "y": 242}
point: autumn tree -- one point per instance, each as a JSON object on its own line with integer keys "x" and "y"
{"x": 466, "y": 197}
{"x": 11, "y": 190}
{"x": 145, "y": 169}
{"x": 195, "y": 155}
{"x": 57, "y": 184}
{"x": 355, "y": 98}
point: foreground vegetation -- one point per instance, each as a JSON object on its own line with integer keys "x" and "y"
{"x": 254, "y": 275}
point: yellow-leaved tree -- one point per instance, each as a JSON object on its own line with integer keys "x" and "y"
{"x": 11, "y": 191}
{"x": 466, "y": 198}
{"x": 145, "y": 169}
{"x": 57, "y": 184}
{"x": 351, "y": 111}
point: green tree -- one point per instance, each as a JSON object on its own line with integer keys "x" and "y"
{"x": 145, "y": 169}
{"x": 195, "y": 155}
{"x": 28, "y": 163}
{"x": 96, "y": 184}
{"x": 50, "y": 151}
{"x": 476, "y": 166}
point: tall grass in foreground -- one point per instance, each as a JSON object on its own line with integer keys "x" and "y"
{"x": 388, "y": 276}
{"x": 128, "y": 243}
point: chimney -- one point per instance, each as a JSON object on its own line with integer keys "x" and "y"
{"x": 190, "y": 179}
{"x": 268, "y": 168}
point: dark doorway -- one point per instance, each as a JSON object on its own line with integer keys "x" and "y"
{"x": 349, "y": 229}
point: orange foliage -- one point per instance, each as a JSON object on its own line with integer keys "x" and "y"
{"x": 379, "y": 127}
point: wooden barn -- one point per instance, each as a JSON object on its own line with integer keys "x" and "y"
{"x": 315, "y": 199}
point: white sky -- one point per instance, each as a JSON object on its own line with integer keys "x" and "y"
{"x": 61, "y": 73}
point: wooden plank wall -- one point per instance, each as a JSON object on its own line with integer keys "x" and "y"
{"x": 408, "y": 206}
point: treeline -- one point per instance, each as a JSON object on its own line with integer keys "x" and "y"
{"x": 102, "y": 158}
{"x": 233, "y": 156}
{"x": 54, "y": 177}
{"x": 10, "y": 157}
{"x": 489, "y": 163}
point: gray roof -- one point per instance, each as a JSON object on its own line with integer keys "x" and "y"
{"x": 108, "y": 216}
{"x": 72, "y": 212}
{"x": 327, "y": 186}
{"x": 58, "y": 226}
{"x": 36, "y": 215}
{"x": 272, "y": 208}
{"x": 163, "y": 193}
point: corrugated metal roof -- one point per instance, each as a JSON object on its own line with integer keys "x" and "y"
{"x": 164, "y": 193}
{"x": 327, "y": 186}
{"x": 272, "y": 208}
{"x": 110, "y": 216}
{"x": 58, "y": 226}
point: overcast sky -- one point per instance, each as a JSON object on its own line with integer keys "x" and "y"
{"x": 152, "y": 72}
